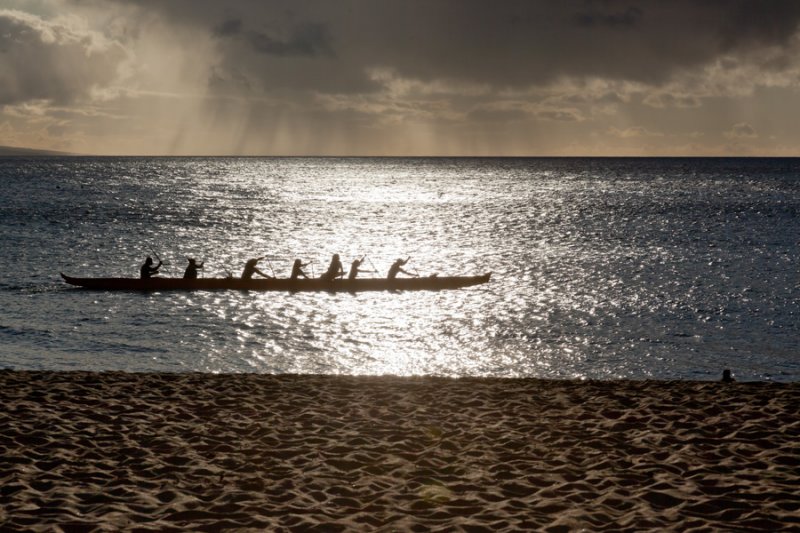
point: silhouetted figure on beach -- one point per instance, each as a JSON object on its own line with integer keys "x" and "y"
{"x": 250, "y": 268}
{"x": 297, "y": 269}
{"x": 147, "y": 270}
{"x": 397, "y": 267}
{"x": 355, "y": 268}
{"x": 191, "y": 269}
{"x": 335, "y": 269}
{"x": 727, "y": 377}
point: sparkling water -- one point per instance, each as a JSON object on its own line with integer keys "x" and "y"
{"x": 602, "y": 268}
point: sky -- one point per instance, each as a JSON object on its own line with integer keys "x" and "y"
{"x": 401, "y": 77}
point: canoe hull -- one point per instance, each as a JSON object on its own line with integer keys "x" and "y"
{"x": 301, "y": 285}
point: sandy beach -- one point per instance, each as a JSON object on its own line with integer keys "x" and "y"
{"x": 86, "y": 451}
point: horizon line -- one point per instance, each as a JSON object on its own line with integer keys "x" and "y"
{"x": 34, "y": 152}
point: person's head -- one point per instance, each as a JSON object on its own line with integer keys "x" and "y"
{"x": 357, "y": 262}
{"x": 726, "y": 375}
{"x": 191, "y": 261}
{"x": 401, "y": 261}
{"x": 298, "y": 263}
{"x": 335, "y": 257}
{"x": 148, "y": 261}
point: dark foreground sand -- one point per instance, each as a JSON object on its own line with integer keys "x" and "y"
{"x": 110, "y": 451}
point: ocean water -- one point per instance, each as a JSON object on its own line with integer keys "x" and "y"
{"x": 602, "y": 268}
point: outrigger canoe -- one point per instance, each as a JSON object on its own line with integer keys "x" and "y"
{"x": 432, "y": 283}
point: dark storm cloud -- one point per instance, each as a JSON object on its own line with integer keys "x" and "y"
{"x": 627, "y": 18}
{"x": 386, "y": 65}
{"x": 303, "y": 40}
{"x": 508, "y": 44}
{"x": 308, "y": 40}
{"x": 331, "y": 47}
{"x": 758, "y": 22}
{"x": 229, "y": 28}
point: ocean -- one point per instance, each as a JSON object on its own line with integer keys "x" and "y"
{"x": 602, "y": 268}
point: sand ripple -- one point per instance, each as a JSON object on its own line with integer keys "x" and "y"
{"x": 86, "y": 451}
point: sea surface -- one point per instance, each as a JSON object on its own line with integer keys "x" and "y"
{"x": 601, "y": 268}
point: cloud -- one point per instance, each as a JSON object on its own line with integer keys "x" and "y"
{"x": 303, "y": 40}
{"x": 229, "y": 28}
{"x": 55, "y": 60}
{"x": 334, "y": 48}
{"x": 663, "y": 99}
{"x": 513, "y": 44}
{"x": 307, "y": 40}
{"x": 561, "y": 115}
{"x": 255, "y": 77}
{"x": 627, "y": 18}
{"x": 755, "y": 22}
{"x": 633, "y": 132}
{"x": 740, "y": 131}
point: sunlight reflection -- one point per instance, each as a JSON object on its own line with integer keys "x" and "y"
{"x": 598, "y": 271}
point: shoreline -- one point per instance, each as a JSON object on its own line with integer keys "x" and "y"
{"x": 118, "y": 450}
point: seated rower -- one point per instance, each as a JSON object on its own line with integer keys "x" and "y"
{"x": 147, "y": 270}
{"x": 297, "y": 269}
{"x": 355, "y": 268}
{"x": 335, "y": 269}
{"x": 396, "y": 268}
{"x": 191, "y": 269}
{"x": 250, "y": 269}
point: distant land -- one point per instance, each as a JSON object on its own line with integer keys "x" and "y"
{"x": 15, "y": 150}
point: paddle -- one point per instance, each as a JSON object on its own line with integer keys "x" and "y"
{"x": 199, "y": 268}
{"x": 361, "y": 261}
{"x": 155, "y": 254}
{"x": 374, "y": 269}
{"x": 161, "y": 263}
{"x": 309, "y": 263}
{"x": 415, "y": 268}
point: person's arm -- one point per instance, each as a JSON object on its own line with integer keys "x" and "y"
{"x": 264, "y": 275}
